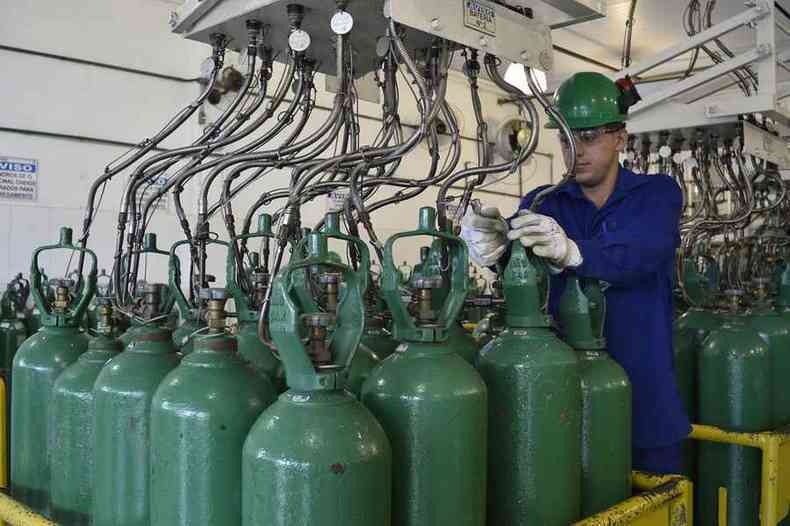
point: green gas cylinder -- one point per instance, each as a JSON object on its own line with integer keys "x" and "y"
{"x": 248, "y": 302}
{"x": 458, "y": 339}
{"x": 774, "y": 329}
{"x": 200, "y": 415}
{"x": 783, "y": 295}
{"x": 103, "y": 290}
{"x": 33, "y": 313}
{"x": 535, "y": 403}
{"x": 378, "y": 338}
{"x": 12, "y": 335}
{"x": 190, "y": 323}
{"x": 37, "y": 364}
{"x": 189, "y": 327}
{"x": 606, "y": 399}
{"x": 317, "y": 456}
{"x": 122, "y": 399}
{"x": 431, "y": 402}
{"x": 689, "y": 332}
{"x": 735, "y": 389}
{"x": 18, "y": 291}
{"x": 72, "y": 424}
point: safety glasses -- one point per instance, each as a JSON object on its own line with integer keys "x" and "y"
{"x": 589, "y": 136}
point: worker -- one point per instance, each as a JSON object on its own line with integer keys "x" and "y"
{"x": 610, "y": 224}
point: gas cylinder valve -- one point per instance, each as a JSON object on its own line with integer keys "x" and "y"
{"x": 424, "y": 286}
{"x": 152, "y": 299}
{"x": 761, "y": 288}
{"x": 318, "y": 323}
{"x": 62, "y": 297}
{"x": 331, "y": 281}
{"x": 104, "y": 316}
{"x": 734, "y": 297}
{"x": 260, "y": 282}
{"x": 215, "y": 299}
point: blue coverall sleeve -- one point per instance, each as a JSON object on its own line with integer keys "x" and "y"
{"x": 638, "y": 249}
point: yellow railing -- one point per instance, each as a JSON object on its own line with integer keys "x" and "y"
{"x": 775, "y": 483}
{"x": 659, "y": 501}
{"x": 13, "y": 513}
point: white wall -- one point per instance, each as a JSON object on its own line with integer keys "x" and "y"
{"x": 43, "y": 96}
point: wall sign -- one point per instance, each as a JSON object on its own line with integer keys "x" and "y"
{"x": 18, "y": 179}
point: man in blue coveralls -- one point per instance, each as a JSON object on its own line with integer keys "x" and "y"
{"x": 613, "y": 225}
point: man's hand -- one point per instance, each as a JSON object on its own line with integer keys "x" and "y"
{"x": 546, "y": 238}
{"x": 485, "y": 235}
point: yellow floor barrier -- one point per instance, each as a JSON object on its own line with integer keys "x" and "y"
{"x": 775, "y": 483}
{"x": 13, "y": 513}
{"x": 659, "y": 501}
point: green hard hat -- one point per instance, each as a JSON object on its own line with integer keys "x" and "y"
{"x": 588, "y": 100}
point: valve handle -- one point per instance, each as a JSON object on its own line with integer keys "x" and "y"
{"x": 287, "y": 312}
{"x": 244, "y": 307}
{"x": 76, "y": 309}
{"x": 176, "y": 295}
{"x": 404, "y": 326}
{"x": 525, "y": 288}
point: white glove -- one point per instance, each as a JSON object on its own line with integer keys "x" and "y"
{"x": 546, "y": 238}
{"x": 485, "y": 235}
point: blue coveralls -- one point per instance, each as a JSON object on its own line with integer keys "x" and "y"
{"x": 630, "y": 243}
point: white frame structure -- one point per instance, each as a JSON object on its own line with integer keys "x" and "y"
{"x": 663, "y": 112}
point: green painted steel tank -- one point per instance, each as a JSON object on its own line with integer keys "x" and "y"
{"x": 200, "y": 416}
{"x": 36, "y": 366}
{"x": 122, "y": 394}
{"x": 378, "y": 338}
{"x": 33, "y": 313}
{"x": 606, "y": 399}
{"x": 190, "y": 320}
{"x": 430, "y": 401}
{"x": 71, "y": 451}
{"x": 689, "y": 332}
{"x": 458, "y": 339}
{"x": 260, "y": 356}
{"x": 13, "y": 333}
{"x": 317, "y": 456}
{"x": 783, "y": 294}
{"x": 774, "y": 329}
{"x": 735, "y": 389}
{"x": 535, "y": 408}
{"x": 18, "y": 291}
{"x": 362, "y": 366}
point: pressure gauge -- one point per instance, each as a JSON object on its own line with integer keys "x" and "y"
{"x": 665, "y": 151}
{"x": 342, "y": 22}
{"x": 630, "y": 156}
{"x": 299, "y": 40}
{"x": 677, "y": 158}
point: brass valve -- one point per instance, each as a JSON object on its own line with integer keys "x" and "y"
{"x": 318, "y": 324}
{"x": 104, "y": 321}
{"x": 62, "y": 293}
{"x": 215, "y": 299}
{"x": 152, "y": 299}
{"x": 424, "y": 286}
{"x": 331, "y": 280}
{"x": 260, "y": 282}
